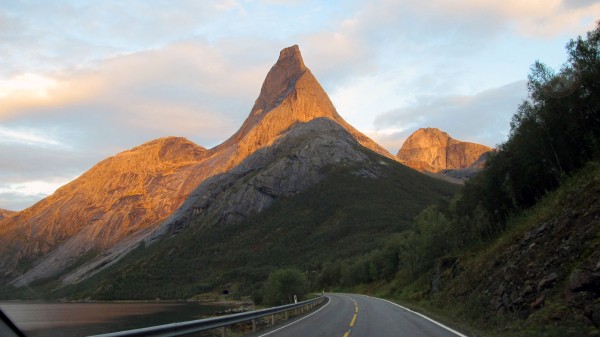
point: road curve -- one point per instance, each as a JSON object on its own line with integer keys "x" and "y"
{"x": 349, "y": 315}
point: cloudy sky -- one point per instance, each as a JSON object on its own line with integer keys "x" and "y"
{"x": 84, "y": 80}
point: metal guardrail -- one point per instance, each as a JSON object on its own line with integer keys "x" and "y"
{"x": 183, "y": 328}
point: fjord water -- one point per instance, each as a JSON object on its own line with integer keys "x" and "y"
{"x": 42, "y": 319}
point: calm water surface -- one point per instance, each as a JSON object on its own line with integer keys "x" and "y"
{"x": 39, "y": 319}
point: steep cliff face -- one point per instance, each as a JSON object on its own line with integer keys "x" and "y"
{"x": 109, "y": 209}
{"x": 433, "y": 150}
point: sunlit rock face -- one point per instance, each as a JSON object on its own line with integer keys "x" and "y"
{"x": 290, "y": 94}
{"x": 122, "y": 200}
{"x": 4, "y": 213}
{"x": 118, "y": 197}
{"x": 433, "y": 150}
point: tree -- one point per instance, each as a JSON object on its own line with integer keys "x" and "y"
{"x": 283, "y": 284}
{"x": 555, "y": 132}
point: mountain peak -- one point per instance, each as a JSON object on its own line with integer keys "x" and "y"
{"x": 436, "y": 135}
{"x": 291, "y": 56}
{"x": 433, "y": 150}
{"x": 281, "y": 78}
{"x": 290, "y": 94}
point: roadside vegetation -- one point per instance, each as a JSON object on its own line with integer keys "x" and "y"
{"x": 506, "y": 254}
{"x": 284, "y": 286}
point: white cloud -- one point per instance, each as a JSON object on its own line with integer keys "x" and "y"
{"x": 26, "y": 136}
{"x": 229, "y": 5}
{"x": 27, "y": 85}
{"x": 20, "y": 195}
{"x": 34, "y": 188}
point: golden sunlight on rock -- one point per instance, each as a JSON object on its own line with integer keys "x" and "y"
{"x": 433, "y": 150}
{"x": 123, "y": 198}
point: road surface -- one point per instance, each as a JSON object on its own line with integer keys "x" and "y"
{"x": 348, "y": 315}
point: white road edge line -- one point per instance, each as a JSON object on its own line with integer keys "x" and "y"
{"x": 294, "y": 322}
{"x": 419, "y": 314}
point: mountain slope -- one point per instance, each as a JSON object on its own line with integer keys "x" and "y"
{"x": 117, "y": 198}
{"x": 432, "y": 150}
{"x": 315, "y": 196}
{"x": 93, "y": 221}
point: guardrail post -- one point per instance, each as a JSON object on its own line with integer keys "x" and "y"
{"x": 273, "y": 319}
{"x": 286, "y": 315}
{"x": 253, "y": 325}
{"x": 223, "y": 332}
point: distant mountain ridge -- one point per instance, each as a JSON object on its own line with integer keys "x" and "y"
{"x": 433, "y": 150}
{"x": 108, "y": 210}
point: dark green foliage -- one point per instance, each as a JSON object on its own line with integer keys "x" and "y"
{"x": 411, "y": 252}
{"x": 283, "y": 284}
{"x": 554, "y": 133}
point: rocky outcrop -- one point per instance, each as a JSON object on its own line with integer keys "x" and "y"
{"x": 4, "y": 213}
{"x": 432, "y": 150}
{"x": 108, "y": 210}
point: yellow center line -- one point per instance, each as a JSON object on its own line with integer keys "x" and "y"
{"x": 353, "y": 318}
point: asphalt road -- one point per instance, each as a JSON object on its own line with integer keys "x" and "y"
{"x": 348, "y": 315}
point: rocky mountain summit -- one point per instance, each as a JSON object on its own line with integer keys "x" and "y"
{"x": 289, "y": 95}
{"x": 432, "y": 150}
{"x": 95, "y": 220}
